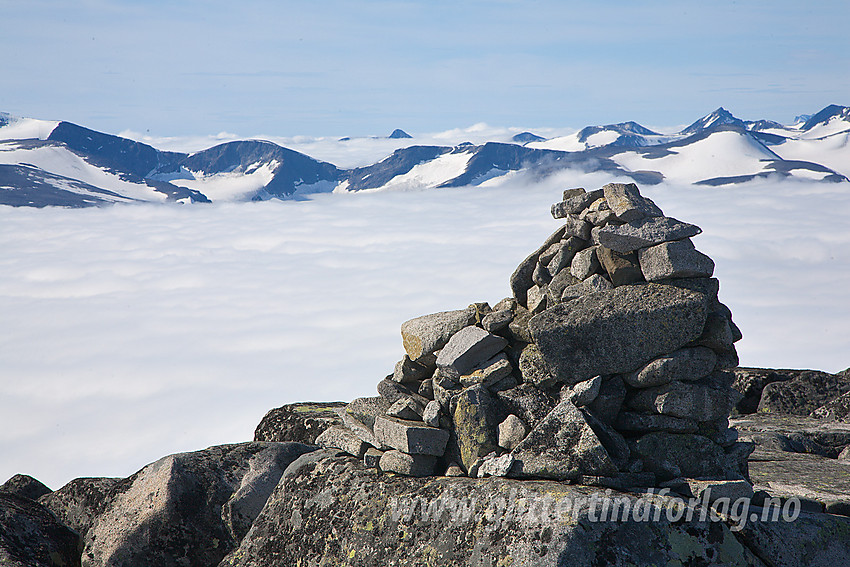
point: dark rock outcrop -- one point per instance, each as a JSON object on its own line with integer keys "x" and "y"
{"x": 186, "y": 509}
{"x": 30, "y": 536}
{"x": 804, "y": 393}
{"x": 331, "y": 510}
{"x": 80, "y": 502}
{"x": 298, "y": 423}
{"x": 25, "y": 486}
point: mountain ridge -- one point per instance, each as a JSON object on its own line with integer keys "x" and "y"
{"x": 103, "y": 168}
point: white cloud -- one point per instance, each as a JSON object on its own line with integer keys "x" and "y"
{"x": 132, "y": 332}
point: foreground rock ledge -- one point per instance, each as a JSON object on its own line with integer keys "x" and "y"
{"x": 331, "y": 510}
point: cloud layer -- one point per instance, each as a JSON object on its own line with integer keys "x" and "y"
{"x": 132, "y": 332}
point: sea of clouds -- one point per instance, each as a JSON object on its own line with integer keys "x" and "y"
{"x": 136, "y": 331}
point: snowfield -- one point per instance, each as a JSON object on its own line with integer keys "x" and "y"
{"x": 135, "y": 331}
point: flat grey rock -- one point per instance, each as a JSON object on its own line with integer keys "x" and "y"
{"x": 407, "y": 370}
{"x": 685, "y": 400}
{"x": 358, "y": 428}
{"x": 592, "y": 284}
{"x": 406, "y": 408}
{"x": 687, "y": 364}
{"x": 411, "y": 437}
{"x": 497, "y": 320}
{"x": 645, "y": 423}
{"x": 297, "y": 527}
{"x": 488, "y": 372}
{"x": 468, "y": 348}
{"x": 676, "y": 259}
{"x": 617, "y": 331}
{"x": 340, "y": 437}
{"x": 408, "y": 465}
{"x": 495, "y": 465}
{"x": 645, "y": 232}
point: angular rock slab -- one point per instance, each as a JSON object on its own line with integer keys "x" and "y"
{"x": 644, "y": 233}
{"x": 408, "y": 465}
{"x": 468, "y": 348}
{"x": 562, "y": 447}
{"x": 616, "y": 331}
{"x": 686, "y": 400}
{"x": 677, "y": 259}
{"x": 424, "y": 335}
{"x": 342, "y": 438}
{"x": 412, "y": 437}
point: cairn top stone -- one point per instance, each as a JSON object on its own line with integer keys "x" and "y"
{"x": 628, "y": 204}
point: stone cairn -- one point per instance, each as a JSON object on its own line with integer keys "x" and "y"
{"x": 606, "y": 367}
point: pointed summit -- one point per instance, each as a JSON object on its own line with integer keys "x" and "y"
{"x": 716, "y": 118}
{"x": 827, "y": 114}
{"x": 398, "y": 134}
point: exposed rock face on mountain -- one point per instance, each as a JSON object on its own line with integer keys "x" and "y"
{"x": 622, "y": 362}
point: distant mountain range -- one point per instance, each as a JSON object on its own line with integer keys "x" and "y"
{"x": 46, "y": 163}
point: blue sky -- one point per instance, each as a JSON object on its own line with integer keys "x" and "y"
{"x": 331, "y": 68}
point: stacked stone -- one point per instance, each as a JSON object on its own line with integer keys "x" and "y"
{"x": 607, "y": 366}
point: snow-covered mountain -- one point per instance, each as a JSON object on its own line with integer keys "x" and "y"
{"x": 59, "y": 163}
